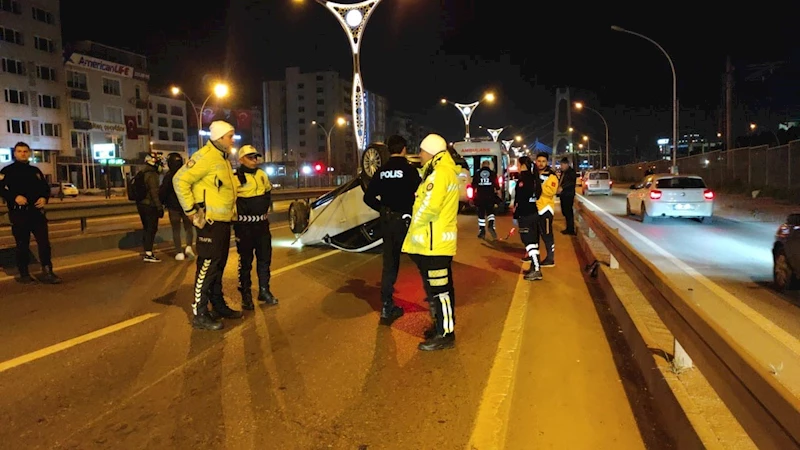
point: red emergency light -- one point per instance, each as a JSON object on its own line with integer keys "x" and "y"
{"x": 470, "y": 192}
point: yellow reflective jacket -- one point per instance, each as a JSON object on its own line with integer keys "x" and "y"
{"x": 207, "y": 179}
{"x": 547, "y": 201}
{"x": 253, "y": 198}
{"x": 433, "y": 230}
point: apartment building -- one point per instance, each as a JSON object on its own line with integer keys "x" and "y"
{"x": 108, "y": 114}
{"x": 34, "y": 107}
{"x": 168, "y": 125}
{"x": 292, "y": 107}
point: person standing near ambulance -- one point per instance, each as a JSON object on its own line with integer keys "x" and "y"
{"x": 432, "y": 238}
{"x": 253, "y": 200}
{"x": 206, "y": 189}
{"x": 487, "y": 190}
{"x": 546, "y": 204}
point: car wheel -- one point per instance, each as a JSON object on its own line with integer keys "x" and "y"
{"x": 706, "y": 220}
{"x": 782, "y": 274}
{"x": 298, "y": 216}
{"x": 628, "y": 208}
{"x": 645, "y": 217}
{"x": 373, "y": 158}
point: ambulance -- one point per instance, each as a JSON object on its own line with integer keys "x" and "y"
{"x": 478, "y": 150}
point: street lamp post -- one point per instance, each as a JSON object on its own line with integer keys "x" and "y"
{"x": 507, "y": 144}
{"x": 353, "y": 18}
{"x": 753, "y": 128}
{"x": 579, "y": 106}
{"x": 495, "y": 133}
{"x": 340, "y": 122}
{"x": 674, "y": 95}
{"x": 466, "y": 110}
{"x": 220, "y": 91}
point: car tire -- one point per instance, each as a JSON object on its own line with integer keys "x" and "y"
{"x": 373, "y": 158}
{"x": 299, "y": 213}
{"x": 707, "y": 220}
{"x": 782, "y": 274}
{"x": 628, "y": 212}
{"x": 645, "y": 217}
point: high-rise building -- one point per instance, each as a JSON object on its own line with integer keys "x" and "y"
{"x": 108, "y": 112}
{"x": 34, "y": 108}
{"x": 410, "y": 128}
{"x": 168, "y": 127}
{"x": 301, "y": 110}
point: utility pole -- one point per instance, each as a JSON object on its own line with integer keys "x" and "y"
{"x": 729, "y": 111}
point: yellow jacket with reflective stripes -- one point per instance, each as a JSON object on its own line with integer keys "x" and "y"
{"x": 547, "y": 201}
{"x": 433, "y": 230}
{"x": 207, "y": 178}
{"x": 253, "y": 198}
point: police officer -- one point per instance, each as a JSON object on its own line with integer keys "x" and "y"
{"x": 486, "y": 193}
{"x": 206, "y": 189}
{"x": 391, "y": 193}
{"x": 253, "y": 200}
{"x": 526, "y": 213}
{"x": 431, "y": 238}
{"x": 546, "y": 204}
{"x": 567, "y": 189}
{"x": 25, "y": 190}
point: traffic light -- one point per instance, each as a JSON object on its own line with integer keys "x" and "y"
{"x": 318, "y": 167}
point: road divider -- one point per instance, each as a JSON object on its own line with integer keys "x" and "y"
{"x": 753, "y": 368}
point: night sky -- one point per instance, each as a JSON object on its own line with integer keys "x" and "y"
{"x": 416, "y": 51}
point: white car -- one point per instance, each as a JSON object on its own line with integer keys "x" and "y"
{"x": 597, "y": 182}
{"x": 665, "y": 195}
{"x": 68, "y": 189}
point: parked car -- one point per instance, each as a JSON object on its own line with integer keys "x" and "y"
{"x": 597, "y": 182}
{"x": 786, "y": 254}
{"x": 68, "y": 189}
{"x": 665, "y": 195}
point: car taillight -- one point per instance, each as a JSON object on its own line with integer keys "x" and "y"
{"x": 655, "y": 195}
{"x": 610, "y": 184}
{"x": 470, "y": 192}
{"x": 500, "y": 180}
{"x": 708, "y": 194}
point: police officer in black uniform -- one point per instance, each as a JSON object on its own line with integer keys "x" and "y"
{"x": 26, "y": 191}
{"x": 566, "y": 185}
{"x": 391, "y": 193}
{"x": 486, "y": 188}
{"x": 527, "y": 215}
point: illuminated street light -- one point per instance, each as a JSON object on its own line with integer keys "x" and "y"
{"x": 585, "y": 137}
{"x": 340, "y": 121}
{"x": 518, "y": 138}
{"x": 495, "y": 133}
{"x": 467, "y": 110}
{"x": 507, "y": 144}
{"x": 353, "y": 18}
{"x": 753, "y": 127}
{"x": 579, "y": 106}
{"x": 674, "y": 95}
{"x": 571, "y": 129}
{"x": 220, "y": 90}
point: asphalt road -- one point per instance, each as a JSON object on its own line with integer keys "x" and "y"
{"x": 737, "y": 256}
{"x": 105, "y": 224}
{"x": 109, "y": 360}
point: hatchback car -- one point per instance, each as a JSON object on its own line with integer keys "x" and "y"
{"x": 68, "y": 189}
{"x": 597, "y": 182}
{"x": 665, "y": 195}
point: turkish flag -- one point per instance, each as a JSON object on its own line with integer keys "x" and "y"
{"x": 130, "y": 126}
{"x": 208, "y": 116}
{"x": 244, "y": 120}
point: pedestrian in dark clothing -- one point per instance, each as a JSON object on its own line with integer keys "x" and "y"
{"x": 526, "y": 213}
{"x": 567, "y": 187}
{"x": 150, "y": 207}
{"x": 26, "y": 191}
{"x": 176, "y": 216}
{"x": 395, "y": 182}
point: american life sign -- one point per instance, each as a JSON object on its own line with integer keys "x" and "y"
{"x": 76, "y": 59}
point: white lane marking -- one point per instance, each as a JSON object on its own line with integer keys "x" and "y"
{"x": 762, "y": 322}
{"x": 304, "y": 262}
{"x": 33, "y": 356}
{"x": 491, "y": 422}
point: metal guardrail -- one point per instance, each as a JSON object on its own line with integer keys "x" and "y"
{"x": 764, "y": 404}
{"x": 59, "y": 212}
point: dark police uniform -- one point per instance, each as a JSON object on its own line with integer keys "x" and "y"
{"x": 567, "y": 183}
{"x": 253, "y": 200}
{"x": 26, "y": 180}
{"x": 527, "y": 193}
{"x": 395, "y": 183}
{"x": 486, "y": 186}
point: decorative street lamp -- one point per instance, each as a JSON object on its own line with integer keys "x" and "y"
{"x": 221, "y": 90}
{"x": 466, "y": 110}
{"x": 353, "y": 18}
{"x": 579, "y": 106}
{"x": 495, "y": 133}
{"x": 507, "y": 144}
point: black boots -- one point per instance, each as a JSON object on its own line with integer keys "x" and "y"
{"x": 533, "y": 275}
{"x": 492, "y": 231}
{"x": 264, "y": 295}
{"x": 390, "y": 314}
{"x": 48, "y": 276}
{"x": 438, "y": 342}
{"x": 247, "y": 300}
{"x": 203, "y": 321}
